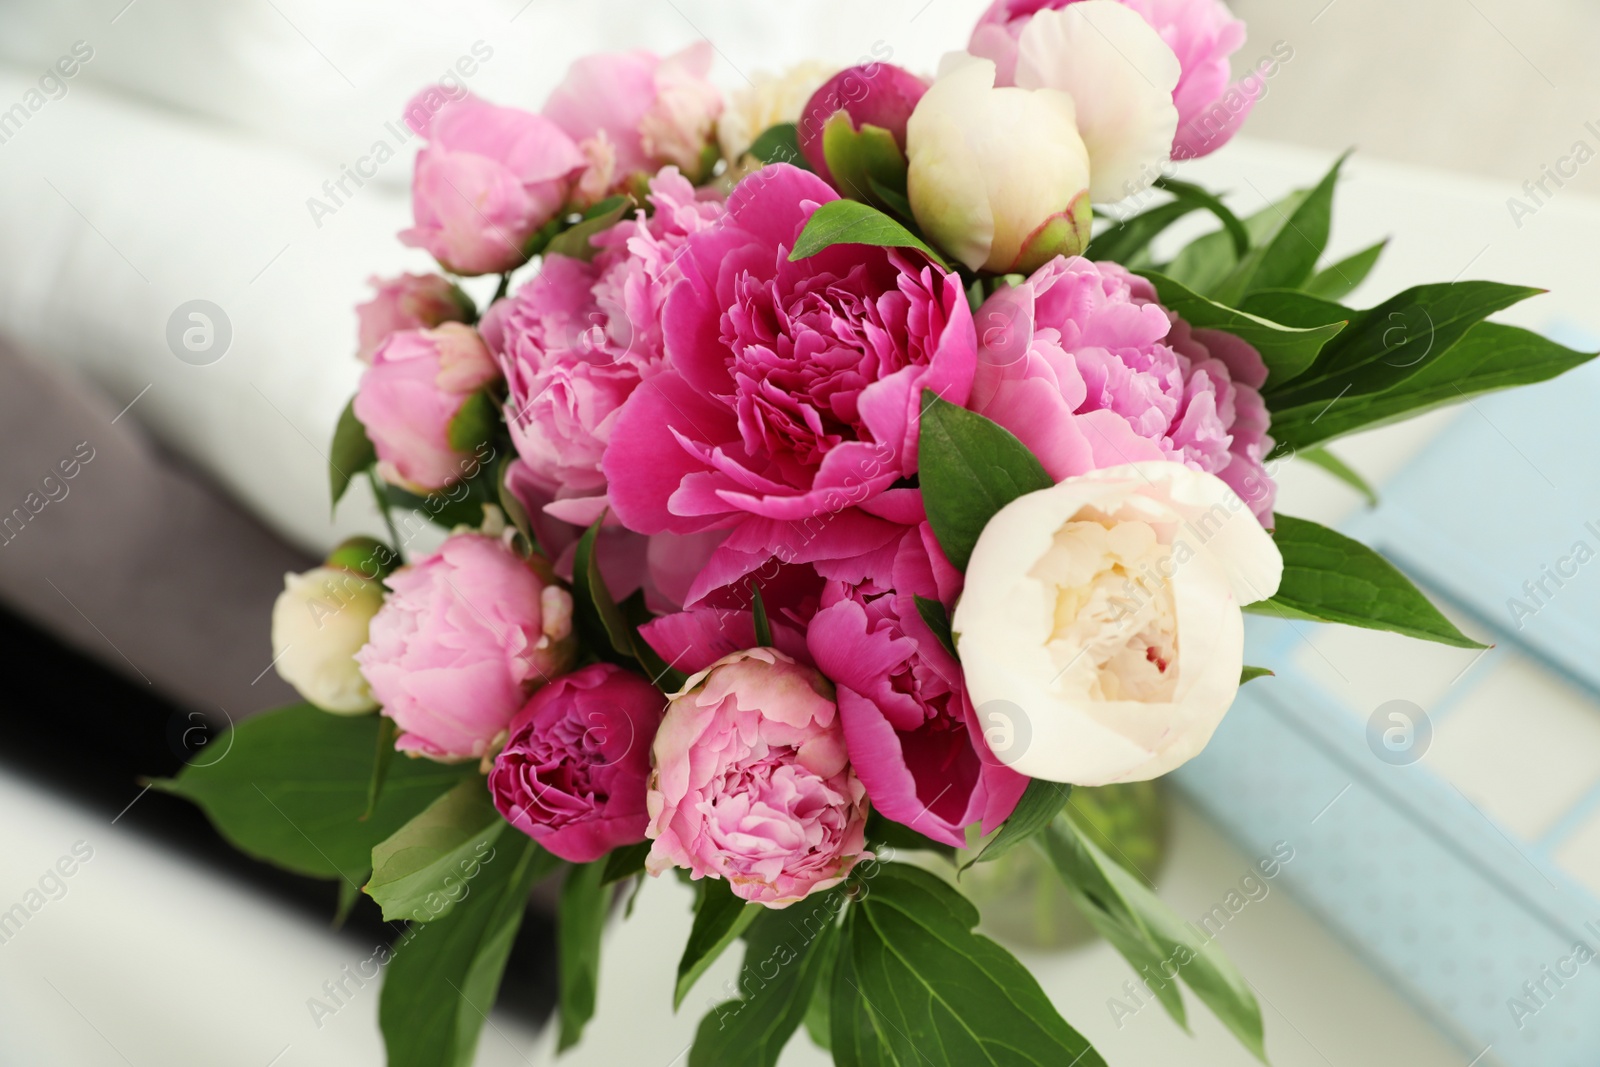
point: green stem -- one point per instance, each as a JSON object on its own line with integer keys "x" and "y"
{"x": 388, "y": 519}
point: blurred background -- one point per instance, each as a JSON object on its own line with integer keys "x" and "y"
{"x": 179, "y": 163}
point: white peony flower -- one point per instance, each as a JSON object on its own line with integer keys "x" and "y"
{"x": 1120, "y": 74}
{"x": 1100, "y": 629}
{"x": 997, "y": 177}
{"x": 319, "y": 622}
{"x": 771, "y": 99}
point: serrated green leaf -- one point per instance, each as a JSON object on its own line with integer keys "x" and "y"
{"x": 419, "y": 871}
{"x": 1385, "y": 345}
{"x": 784, "y": 953}
{"x": 575, "y": 242}
{"x": 1491, "y": 356}
{"x": 580, "y": 918}
{"x": 292, "y": 786}
{"x": 850, "y": 222}
{"x": 442, "y": 977}
{"x": 1341, "y": 470}
{"x": 719, "y": 918}
{"x": 1041, "y": 802}
{"x": 779, "y": 144}
{"x": 1337, "y": 280}
{"x": 350, "y": 453}
{"x": 940, "y": 994}
{"x": 1286, "y": 257}
{"x": 969, "y": 468}
{"x": 1288, "y": 349}
{"x": 1332, "y": 578}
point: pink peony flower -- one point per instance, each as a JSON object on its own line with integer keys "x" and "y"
{"x": 407, "y": 398}
{"x": 465, "y": 636}
{"x": 791, "y": 401}
{"x": 913, "y": 736}
{"x": 578, "y": 338}
{"x": 1082, "y": 364}
{"x": 874, "y": 94}
{"x": 632, "y": 113}
{"x": 752, "y": 782}
{"x": 409, "y": 302}
{"x": 485, "y": 183}
{"x": 1201, "y": 33}
{"x": 572, "y": 775}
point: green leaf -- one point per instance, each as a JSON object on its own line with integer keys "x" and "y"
{"x": 850, "y": 222}
{"x": 783, "y": 958}
{"x": 969, "y": 468}
{"x": 1126, "y": 243}
{"x": 1287, "y": 350}
{"x": 861, "y": 161}
{"x": 1491, "y": 356}
{"x": 886, "y": 834}
{"x": 1286, "y": 257}
{"x": 350, "y": 453}
{"x": 603, "y": 621}
{"x": 1385, "y": 345}
{"x": 1202, "y": 967}
{"x": 763, "y": 626}
{"x": 937, "y": 620}
{"x": 719, "y": 918}
{"x": 1208, "y": 259}
{"x": 1338, "y": 280}
{"x": 625, "y": 862}
{"x": 383, "y": 755}
{"x": 854, "y": 1035}
{"x": 819, "y": 1012}
{"x": 937, "y": 993}
{"x": 442, "y": 977}
{"x": 575, "y": 241}
{"x": 1330, "y": 578}
{"x": 1250, "y": 674}
{"x": 511, "y": 506}
{"x": 779, "y": 144}
{"x": 418, "y": 872}
{"x": 1341, "y": 470}
{"x": 1041, "y": 802}
{"x": 1188, "y": 192}
{"x": 474, "y": 422}
{"x": 580, "y": 918}
{"x": 292, "y": 786}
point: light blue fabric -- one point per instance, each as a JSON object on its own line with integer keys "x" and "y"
{"x": 1452, "y": 908}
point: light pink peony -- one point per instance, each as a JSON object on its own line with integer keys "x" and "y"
{"x": 913, "y": 736}
{"x": 485, "y": 183}
{"x": 792, "y": 397}
{"x": 415, "y": 386}
{"x": 752, "y": 782}
{"x": 1082, "y": 364}
{"x": 632, "y": 113}
{"x": 408, "y": 302}
{"x": 465, "y": 636}
{"x": 1201, "y": 33}
{"x": 577, "y": 339}
{"x": 572, "y": 775}
{"x": 873, "y": 94}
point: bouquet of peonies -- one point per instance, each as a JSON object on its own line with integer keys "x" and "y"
{"x": 826, "y": 495}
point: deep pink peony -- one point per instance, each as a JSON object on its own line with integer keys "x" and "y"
{"x": 873, "y": 94}
{"x": 1082, "y": 364}
{"x": 1201, "y": 33}
{"x": 914, "y": 739}
{"x": 487, "y": 180}
{"x": 415, "y": 386}
{"x": 632, "y": 113}
{"x": 792, "y": 397}
{"x": 577, "y": 339}
{"x": 752, "y": 782}
{"x": 408, "y": 302}
{"x": 465, "y": 636}
{"x": 572, "y": 775}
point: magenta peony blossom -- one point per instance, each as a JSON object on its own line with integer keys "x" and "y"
{"x": 792, "y": 397}
{"x": 572, "y": 775}
{"x": 1201, "y": 33}
{"x": 416, "y": 385}
{"x": 914, "y": 739}
{"x": 874, "y": 94}
{"x": 465, "y": 636}
{"x": 632, "y": 113}
{"x": 487, "y": 180}
{"x": 408, "y": 302}
{"x": 752, "y": 782}
{"x": 1082, "y": 364}
{"x": 579, "y": 337}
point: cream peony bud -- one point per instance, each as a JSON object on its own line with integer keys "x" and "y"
{"x": 319, "y": 621}
{"x": 1120, "y": 74}
{"x": 999, "y": 178}
{"x": 1100, "y": 628}
{"x": 770, "y": 99}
